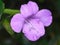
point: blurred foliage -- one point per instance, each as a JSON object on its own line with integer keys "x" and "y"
{"x": 58, "y": 5}
{"x": 41, "y": 1}
{"x": 6, "y": 19}
{"x": 1, "y": 8}
{"x": 8, "y": 37}
{"x": 7, "y": 27}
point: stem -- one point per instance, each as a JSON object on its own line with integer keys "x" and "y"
{"x": 11, "y": 11}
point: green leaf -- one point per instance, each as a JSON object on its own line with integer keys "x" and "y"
{"x": 1, "y": 8}
{"x": 6, "y": 19}
{"x": 7, "y": 27}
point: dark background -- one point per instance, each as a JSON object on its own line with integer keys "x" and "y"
{"x": 8, "y": 37}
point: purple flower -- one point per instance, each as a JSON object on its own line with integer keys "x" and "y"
{"x": 31, "y": 21}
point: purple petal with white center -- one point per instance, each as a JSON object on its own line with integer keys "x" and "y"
{"x": 45, "y": 16}
{"x": 33, "y": 30}
{"x": 17, "y": 22}
{"x": 25, "y": 11}
{"x": 33, "y": 6}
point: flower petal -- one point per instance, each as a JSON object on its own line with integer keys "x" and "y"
{"x": 17, "y": 23}
{"x": 33, "y": 30}
{"x": 33, "y": 6}
{"x": 45, "y": 16}
{"x": 25, "y": 11}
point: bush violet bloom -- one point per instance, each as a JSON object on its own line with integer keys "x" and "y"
{"x": 31, "y": 21}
